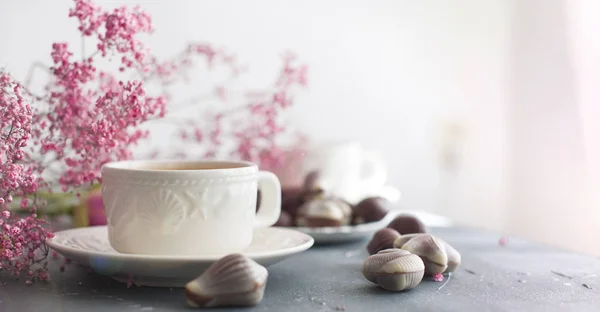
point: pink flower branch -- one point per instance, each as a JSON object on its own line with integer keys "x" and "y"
{"x": 87, "y": 117}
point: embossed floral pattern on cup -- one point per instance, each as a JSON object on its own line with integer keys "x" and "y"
{"x": 162, "y": 211}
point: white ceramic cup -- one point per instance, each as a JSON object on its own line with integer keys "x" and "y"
{"x": 191, "y": 208}
{"x": 347, "y": 170}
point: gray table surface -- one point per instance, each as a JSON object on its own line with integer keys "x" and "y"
{"x": 519, "y": 277}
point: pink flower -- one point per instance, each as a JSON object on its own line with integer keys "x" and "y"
{"x": 87, "y": 117}
{"x": 89, "y": 16}
{"x": 23, "y": 237}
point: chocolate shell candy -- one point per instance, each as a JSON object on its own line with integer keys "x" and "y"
{"x": 431, "y": 249}
{"x": 428, "y": 246}
{"x": 370, "y": 209}
{"x": 394, "y": 269}
{"x": 407, "y": 224}
{"x": 382, "y": 239}
{"x": 311, "y": 181}
{"x": 234, "y": 280}
{"x": 401, "y": 273}
{"x": 324, "y": 213}
{"x": 454, "y": 258}
{"x": 374, "y": 262}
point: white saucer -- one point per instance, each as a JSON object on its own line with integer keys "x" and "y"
{"x": 348, "y": 233}
{"x": 89, "y": 247}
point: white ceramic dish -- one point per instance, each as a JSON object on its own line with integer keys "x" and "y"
{"x": 342, "y": 234}
{"x": 89, "y": 247}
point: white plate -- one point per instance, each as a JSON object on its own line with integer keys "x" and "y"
{"x": 348, "y": 233}
{"x": 89, "y": 246}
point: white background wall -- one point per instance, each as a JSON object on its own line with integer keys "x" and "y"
{"x": 390, "y": 74}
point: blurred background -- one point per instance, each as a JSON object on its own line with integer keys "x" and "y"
{"x": 485, "y": 110}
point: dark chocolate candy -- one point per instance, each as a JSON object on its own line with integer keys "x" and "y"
{"x": 290, "y": 192}
{"x": 323, "y": 212}
{"x": 382, "y": 239}
{"x": 291, "y": 200}
{"x": 285, "y": 219}
{"x": 311, "y": 181}
{"x": 370, "y": 209}
{"x": 407, "y": 224}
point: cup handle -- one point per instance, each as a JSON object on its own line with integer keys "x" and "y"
{"x": 375, "y": 169}
{"x": 270, "y": 200}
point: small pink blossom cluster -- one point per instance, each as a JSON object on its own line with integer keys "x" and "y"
{"x": 23, "y": 248}
{"x": 88, "y": 126}
{"x": 87, "y": 117}
{"x": 257, "y": 125}
{"x": 115, "y": 30}
{"x": 168, "y": 72}
{"x": 16, "y": 117}
{"x": 257, "y": 139}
